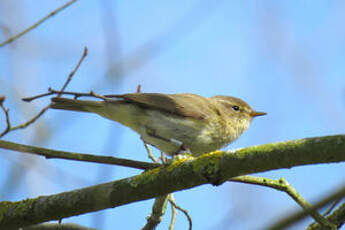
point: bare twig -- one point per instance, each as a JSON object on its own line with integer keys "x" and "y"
{"x": 93, "y": 94}
{"x": 292, "y": 219}
{"x": 50, "y": 153}
{"x": 74, "y": 94}
{"x": 9, "y": 127}
{"x": 32, "y": 120}
{"x": 15, "y": 37}
{"x": 149, "y": 152}
{"x": 185, "y": 212}
{"x": 283, "y": 185}
{"x": 73, "y": 71}
{"x": 173, "y": 212}
{"x": 29, "y": 99}
{"x": 53, "y": 91}
{"x": 8, "y": 123}
{"x": 329, "y": 210}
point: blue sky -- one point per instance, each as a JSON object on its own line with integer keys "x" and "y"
{"x": 284, "y": 58}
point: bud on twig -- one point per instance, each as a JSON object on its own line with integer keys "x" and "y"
{"x": 2, "y": 99}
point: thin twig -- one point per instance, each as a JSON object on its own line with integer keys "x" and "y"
{"x": 74, "y": 94}
{"x": 185, "y": 212}
{"x": 9, "y": 127}
{"x": 173, "y": 212}
{"x": 50, "y": 153}
{"x": 15, "y": 37}
{"x": 8, "y": 123}
{"x": 32, "y": 120}
{"x": 292, "y": 219}
{"x": 149, "y": 152}
{"x": 74, "y": 71}
{"x": 282, "y": 185}
{"x": 93, "y": 94}
{"x": 29, "y": 99}
{"x": 52, "y": 92}
{"x": 329, "y": 210}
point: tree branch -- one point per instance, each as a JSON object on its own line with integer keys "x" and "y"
{"x": 50, "y": 153}
{"x": 52, "y": 226}
{"x": 9, "y": 127}
{"x": 173, "y": 212}
{"x": 73, "y": 71}
{"x": 158, "y": 211}
{"x": 283, "y": 185}
{"x": 184, "y": 211}
{"x": 215, "y": 168}
{"x": 337, "y": 217}
{"x": 338, "y": 214}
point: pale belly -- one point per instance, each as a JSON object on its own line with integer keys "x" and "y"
{"x": 167, "y": 132}
{"x": 196, "y": 135}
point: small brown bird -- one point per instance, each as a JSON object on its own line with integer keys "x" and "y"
{"x": 173, "y": 122}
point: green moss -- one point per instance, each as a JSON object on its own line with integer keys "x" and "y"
{"x": 145, "y": 177}
{"x": 23, "y": 206}
{"x": 261, "y": 148}
{"x": 177, "y": 161}
{"x": 152, "y": 174}
{"x": 4, "y": 205}
{"x": 208, "y": 164}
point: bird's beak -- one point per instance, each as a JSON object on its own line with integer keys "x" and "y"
{"x": 255, "y": 114}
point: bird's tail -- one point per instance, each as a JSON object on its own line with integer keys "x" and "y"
{"x": 75, "y": 105}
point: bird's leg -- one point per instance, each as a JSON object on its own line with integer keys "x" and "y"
{"x": 182, "y": 148}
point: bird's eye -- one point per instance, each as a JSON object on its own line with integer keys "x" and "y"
{"x": 235, "y": 107}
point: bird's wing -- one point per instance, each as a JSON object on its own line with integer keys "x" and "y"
{"x": 186, "y": 105}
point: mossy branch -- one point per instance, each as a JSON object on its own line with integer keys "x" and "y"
{"x": 337, "y": 218}
{"x": 57, "y": 226}
{"x": 213, "y": 168}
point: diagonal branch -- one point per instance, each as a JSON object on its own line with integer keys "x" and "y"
{"x": 184, "y": 211}
{"x": 283, "y": 185}
{"x": 337, "y": 217}
{"x": 215, "y": 168}
{"x": 50, "y": 153}
{"x": 15, "y": 37}
{"x": 158, "y": 211}
{"x": 74, "y": 71}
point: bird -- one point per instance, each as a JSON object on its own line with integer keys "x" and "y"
{"x": 173, "y": 123}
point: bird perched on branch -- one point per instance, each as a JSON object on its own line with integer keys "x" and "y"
{"x": 173, "y": 122}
